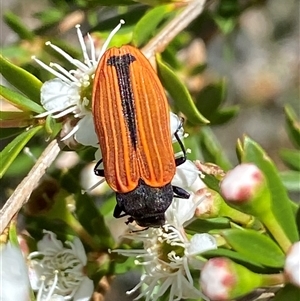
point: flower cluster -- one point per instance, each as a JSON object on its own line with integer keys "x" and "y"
{"x": 57, "y": 271}
{"x": 168, "y": 254}
{"x": 70, "y": 91}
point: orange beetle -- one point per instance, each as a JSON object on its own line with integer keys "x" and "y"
{"x": 132, "y": 122}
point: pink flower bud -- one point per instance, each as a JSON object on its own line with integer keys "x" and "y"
{"x": 292, "y": 264}
{"x": 222, "y": 279}
{"x": 209, "y": 203}
{"x": 217, "y": 279}
{"x": 242, "y": 183}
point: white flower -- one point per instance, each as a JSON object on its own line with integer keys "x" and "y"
{"x": 292, "y": 264}
{"x": 14, "y": 281}
{"x": 70, "y": 91}
{"x": 57, "y": 272}
{"x": 168, "y": 255}
{"x": 188, "y": 177}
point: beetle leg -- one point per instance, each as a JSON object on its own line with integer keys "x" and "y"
{"x": 117, "y": 212}
{"x": 180, "y": 160}
{"x": 180, "y": 193}
{"x": 99, "y": 172}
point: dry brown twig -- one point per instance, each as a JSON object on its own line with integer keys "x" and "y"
{"x": 22, "y": 193}
{"x": 172, "y": 29}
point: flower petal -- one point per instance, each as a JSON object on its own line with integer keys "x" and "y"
{"x": 79, "y": 249}
{"x": 58, "y": 95}
{"x": 180, "y": 211}
{"x": 201, "y": 243}
{"x": 86, "y": 134}
{"x": 85, "y": 290}
{"x": 35, "y": 271}
{"x": 13, "y": 274}
{"x": 49, "y": 241}
{"x": 175, "y": 123}
{"x": 186, "y": 175}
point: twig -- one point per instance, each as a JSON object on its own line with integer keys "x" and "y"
{"x": 179, "y": 23}
{"x": 22, "y": 193}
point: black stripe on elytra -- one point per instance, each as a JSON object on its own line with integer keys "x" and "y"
{"x": 121, "y": 63}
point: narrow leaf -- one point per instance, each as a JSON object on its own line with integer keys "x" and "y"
{"x": 13, "y": 119}
{"x": 291, "y": 180}
{"x": 224, "y": 115}
{"x": 211, "y": 149}
{"x": 10, "y": 132}
{"x": 147, "y": 25}
{"x": 288, "y": 293}
{"x": 293, "y": 125}
{"x": 20, "y": 101}
{"x": 257, "y": 247}
{"x": 16, "y": 24}
{"x": 252, "y": 152}
{"x": 235, "y": 256}
{"x": 21, "y": 79}
{"x": 10, "y": 152}
{"x": 210, "y": 98}
{"x": 92, "y": 220}
{"x": 206, "y": 225}
{"x": 291, "y": 158}
{"x": 180, "y": 94}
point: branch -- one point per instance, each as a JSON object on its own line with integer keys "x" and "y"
{"x": 22, "y": 193}
{"x": 172, "y": 29}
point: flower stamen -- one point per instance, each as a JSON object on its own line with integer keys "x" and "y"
{"x": 83, "y": 47}
{"x": 51, "y": 70}
{"x": 113, "y": 32}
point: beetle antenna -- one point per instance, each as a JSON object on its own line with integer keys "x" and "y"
{"x": 83, "y": 191}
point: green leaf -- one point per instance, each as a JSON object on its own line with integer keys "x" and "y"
{"x": 198, "y": 69}
{"x": 212, "y": 182}
{"x": 13, "y": 119}
{"x": 21, "y": 79}
{"x": 255, "y": 246}
{"x": 10, "y": 152}
{"x": 13, "y": 52}
{"x": 23, "y": 162}
{"x": 20, "y": 101}
{"x": 13, "y": 115}
{"x": 298, "y": 219}
{"x": 293, "y": 125}
{"x": 125, "y": 266}
{"x": 17, "y": 25}
{"x": 104, "y": 3}
{"x": 291, "y": 158}
{"x": 281, "y": 208}
{"x": 235, "y": 256}
{"x": 226, "y": 15}
{"x": 180, "y": 94}
{"x": 211, "y": 97}
{"x": 90, "y": 217}
{"x": 51, "y": 126}
{"x": 206, "y": 225}
{"x": 291, "y": 180}
{"x": 211, "y": 149}
{"x": 224, "y": 115}
{"x": 288, "y": 293}
{"x": 10, "y": 132}
{"x": 225, "y": 25}
{"x": 50, "y": 16}
{"x": 13, "y": 234}
{"x": 131, "y": 17}
{"x": 147, "y": 25}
